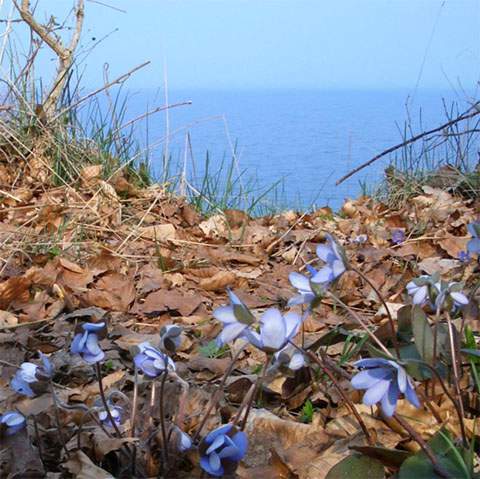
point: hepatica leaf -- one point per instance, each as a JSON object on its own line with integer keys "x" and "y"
{"x": 357, "y": 467}
{"x": 422, "y": 332}
{"x": 449, "y": 458}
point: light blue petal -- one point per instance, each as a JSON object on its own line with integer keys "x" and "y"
{"x": 253, "y": 338}
{"x": 473, "y": 246}
{"x": 292, "y": 324}
{"x": 420, "y": 296}
{"x": 78, "y": 343}
{"x": 93, "y": 327}
{"x": 297, "y": 362}
{"x": 241, "y": 441}
{"x": 230, "y": 333}
{"x": 389, "y": 400}
{"x": 205, "y": 465}
{"x": 338, "y": 268}
{"x": 376, "y": 392}
{"x": 299, "y": 281}
{"x": 20, "y": 386}
{"x": 459, "y": 298}
{"x": 369, "y": 377}
{"x": 311, "y": 269}
{"x": 324, "y": 251}
{"x": 218, "y": 442}
{"x": 324, "y": 275}
{"x": 225, "y": 314}
{"x": 210, "y": 437}
{"x": 91, "y": 345}
{"x": 272, "y": 329}
{"x": 411, "y": 395}
{"x": 234, "y": 298}
{"x": 371, "y": 363}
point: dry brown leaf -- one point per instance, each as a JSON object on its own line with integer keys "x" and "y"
{"x": 113, "y": 291}
{"x": 159, "y": 233}
{"x": 164, "y": 300}
{"x": 7, "y": 319}
{"x": 443, "y": 266}
{"x": 83, "y": 468}
{"x": 14, "y": 289}
{"x": 219, "y": 281}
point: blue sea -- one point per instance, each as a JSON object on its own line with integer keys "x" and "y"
{"x": 305, "y": 139}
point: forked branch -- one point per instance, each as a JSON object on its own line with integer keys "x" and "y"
{"x": 64, "y": 53}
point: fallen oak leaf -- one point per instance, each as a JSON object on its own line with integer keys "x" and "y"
{"x": 83, "y": 468}
{"x": 219, "y": 281}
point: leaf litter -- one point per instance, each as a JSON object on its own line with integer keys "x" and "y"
{"x": 141, "y": 259}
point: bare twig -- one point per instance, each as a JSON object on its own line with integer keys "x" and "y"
{"x": 64, "y": 53}
{"x": 470, "y": 113}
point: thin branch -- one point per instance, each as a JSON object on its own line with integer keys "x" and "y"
{"x": 465, "y": 116}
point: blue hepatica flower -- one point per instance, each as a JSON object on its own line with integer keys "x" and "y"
{"x": 275, "y": 330}
{"x": 473, "y": 246}
{"x": 464, "y": 256}
{"x": 398, "y": 236}
{"x": 307, "y": 291}
{"x": 384, "y": 380}
{"x": 152, "y": 361}
{"x": 424, "y": 289}
{"x": 287, "y": 360}
{"x": 181, "y": 439}
{"x": 85, "y": 342}
{"x": 222, "y": 449}
{"x": 235, "y": 318}
{"x": 170, "y": 338}
{"x": 31, "y": 379}
{"x": 450, "y": 296}
{"x": 11, "y": 422}
{"x": 115, "y": 411}
{"x": 335, "y": 262}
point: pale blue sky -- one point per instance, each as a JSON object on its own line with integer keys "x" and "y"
{"x": 225, "y": 44}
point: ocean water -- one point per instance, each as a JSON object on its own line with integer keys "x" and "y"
{"x": 306, "y": 139}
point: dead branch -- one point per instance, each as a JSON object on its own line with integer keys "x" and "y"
{"x": 474, "y": 110}
{"x": 64, "y": 53}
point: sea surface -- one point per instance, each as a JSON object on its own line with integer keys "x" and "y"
{"x": 305, "y": 139}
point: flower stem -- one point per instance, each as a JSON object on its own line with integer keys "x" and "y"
{"x": 347, "y": 400}
{"x": 256, "y": 388}
{"x": 162, "y": 421}
{"x": 216, "y": 396}
{"x": 425, "y": 447}
{"x": 454, "y": 401}
{"x": 57, "y": 419}
{"x": 133, "y": 418}
{"x": 456, "y": 379}
{"x": 98, "y": 370}
{"x": 362, "y": 324}
{"x": 387, "y": 309}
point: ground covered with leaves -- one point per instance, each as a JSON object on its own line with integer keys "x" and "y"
{"x": 140, "y": 259}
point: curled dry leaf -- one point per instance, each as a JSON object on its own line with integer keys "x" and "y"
{"x": 159, "y": 233}
{"x": 219, "y": 281}
{"x": 83, "y": 468}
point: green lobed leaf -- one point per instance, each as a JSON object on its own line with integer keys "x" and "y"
{"x": 357, "y": 467}
{"x": 423, "y": 334}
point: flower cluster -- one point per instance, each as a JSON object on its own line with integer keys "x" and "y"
{"x": 11, "y": 422}
{"x": 436, "y": 293}
{"x": 32, "y": 379}
{"x": 314, "y": 286}
{"x": 222, "y": 449}
{"x": 85, "y": 342}
{"x": 384, "y": 380}
{"x": 151, "y": 361}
